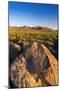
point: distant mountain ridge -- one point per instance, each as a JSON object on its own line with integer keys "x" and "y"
{"x": 33, "y": 27}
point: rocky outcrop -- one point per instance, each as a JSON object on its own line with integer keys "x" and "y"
{"x": 36, "y": 66}
{"x": 41, "y": 62}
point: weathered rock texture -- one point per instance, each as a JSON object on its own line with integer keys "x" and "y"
{"x": 36, "y": 66}
{"x": 14, "y": 51}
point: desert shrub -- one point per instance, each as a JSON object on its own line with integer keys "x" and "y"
{"x": 47, "y": 37}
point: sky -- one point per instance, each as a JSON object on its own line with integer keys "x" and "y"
{"x": 33, "y": 14}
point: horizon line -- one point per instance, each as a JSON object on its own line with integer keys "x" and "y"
{"x": 32, "y": 26}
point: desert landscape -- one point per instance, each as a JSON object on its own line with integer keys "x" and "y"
{"x": 33, "y": 44}
{"x": 33, "y": 57}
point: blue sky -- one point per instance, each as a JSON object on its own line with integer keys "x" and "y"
{"x": 32, "y": 14}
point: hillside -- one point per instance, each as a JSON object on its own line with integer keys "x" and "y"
{"x": 44, "y": 35}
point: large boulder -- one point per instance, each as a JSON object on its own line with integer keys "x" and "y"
{"x": 36, "y": 66}
{"x": 41, "y": 62}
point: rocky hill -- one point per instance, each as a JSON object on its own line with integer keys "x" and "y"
{"x": 35, "y": 66}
